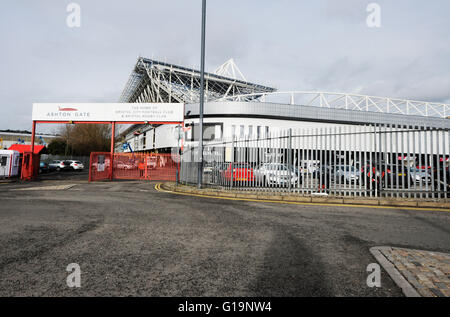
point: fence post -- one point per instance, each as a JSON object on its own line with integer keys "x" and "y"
{"x": 290, "y": 159}
{"x": 90, "y": 168}
{"x": 232, "y": 164}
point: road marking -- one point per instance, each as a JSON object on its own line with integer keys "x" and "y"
{"x": 158, "y": 188}
{"x": 56, "y": 187}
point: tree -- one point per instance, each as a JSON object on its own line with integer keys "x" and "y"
{"x": 82, "y": 139}
{"x": 57, "y": 146}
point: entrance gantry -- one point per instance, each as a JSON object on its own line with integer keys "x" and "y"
{"x": 106, "y": 113}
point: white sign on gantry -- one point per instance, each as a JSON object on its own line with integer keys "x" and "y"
{"x": 109, "y": 112}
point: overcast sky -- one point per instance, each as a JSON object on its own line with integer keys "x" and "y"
{"x": 291, "y": 45}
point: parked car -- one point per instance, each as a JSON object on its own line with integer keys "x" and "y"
{"x": 442, "y": 178}
{"x": 324, "y": 178}
{"x": 124, "y": 165}
{"x": 59, "y": 165}
{"x": 276, "y": 174}
{"x": 43, "y": 168}
{"x": 398, "y": 175}
{"x": 419, "y": 176}
{"x": 217, "y": 170}
{"x": 346, "y": 173}
{"x": 238, "y": 172}
{"x": 298, "y": 172}
{"x": 373, "y": 177}
{"x": 310, "y": 166}
{"x": 76, "y": 165}
{"x": 152, "y": 162}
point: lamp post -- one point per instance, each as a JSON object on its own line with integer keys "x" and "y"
{"x": 202, "y": 97}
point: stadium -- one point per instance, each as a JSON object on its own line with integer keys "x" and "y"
{"x": 237, "y": 108}
{"x": 352, "y": 140}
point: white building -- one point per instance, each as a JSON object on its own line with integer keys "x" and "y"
{"x": 235, "y": 107}
{"x": 8, "y": 138}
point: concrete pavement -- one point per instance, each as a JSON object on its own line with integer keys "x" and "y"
{"x": 131, "y": 240}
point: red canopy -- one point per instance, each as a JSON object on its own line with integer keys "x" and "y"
{"x": 26, "y": 148}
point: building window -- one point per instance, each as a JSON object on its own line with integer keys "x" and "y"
{"x": 210, "y": 131}
{"x": 218, "y": 128}
{"x": 143, "y": 140}
{"x": 233, "y": 131}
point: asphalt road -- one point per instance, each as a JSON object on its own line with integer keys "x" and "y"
{"x": 131, "y": 240}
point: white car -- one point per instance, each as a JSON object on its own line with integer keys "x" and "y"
{"x": 420, "y": 176}
{"x": 152, "y": 162}
{"x": 76, "y": 165}
{"x": 275, "y": 174}
{"x": 347, "y": 173}
{"x": 59, "y": 165}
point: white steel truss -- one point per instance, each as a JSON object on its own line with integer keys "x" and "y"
{"x": 350, "y": 102}
{"x": 230, "y": 69}
{"x": 153, "y": 81}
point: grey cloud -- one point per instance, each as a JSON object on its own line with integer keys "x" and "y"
{"x": 291, "y": 45}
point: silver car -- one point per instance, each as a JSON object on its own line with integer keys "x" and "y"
{"x": 275, "y": 174}
{"x": 419, "y": 175}
{"x": 347, "y": 173}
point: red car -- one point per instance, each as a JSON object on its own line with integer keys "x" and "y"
{"x": 238, "y": 172}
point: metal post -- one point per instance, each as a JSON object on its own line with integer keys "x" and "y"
{"x": 177, "y": 178}
{"x": 202, "y": 97}
{"x": 290, "y": 159}
{"x": 232, "y": 163}
{"x": 113, "y": 133}
{"x": 33, "y": 137}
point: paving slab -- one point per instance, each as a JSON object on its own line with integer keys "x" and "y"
{"x": 416, "y": 272}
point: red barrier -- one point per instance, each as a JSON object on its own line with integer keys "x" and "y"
{"x": 30, "y": 166}
{"x": 127, "y": 166}
{"x": 100, "y": 166}
{"x": 161, "y": 167}
{"x": 139, "y": 166}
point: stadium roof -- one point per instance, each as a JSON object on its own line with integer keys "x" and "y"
{"x": 154, "y": 81}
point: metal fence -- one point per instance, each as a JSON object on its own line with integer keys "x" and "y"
{"x": 363, "y": 161}
{"x": 136, "y": 166}
{"x": 48, "y": 158}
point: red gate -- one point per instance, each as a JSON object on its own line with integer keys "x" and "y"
{"x": 100, "y": 166}
{"x": 30, "y": 165}
{"x": 137, "y": 166}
